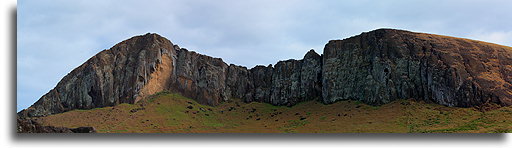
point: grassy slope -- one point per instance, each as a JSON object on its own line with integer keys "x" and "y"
{"x": 168, "y": 113}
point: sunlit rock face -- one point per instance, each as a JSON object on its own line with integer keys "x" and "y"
{"x": 126, "y": 73}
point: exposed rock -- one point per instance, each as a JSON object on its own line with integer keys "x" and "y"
{"x": 239, "y": 82}
{"x": 295, "y": 81}
{"x": 384, "y": 65}
{"x": 311, "y": 76}
{"x": 32, "y": 126}
{"x": 127, "y": 72}
{"x": 286, "y": 78}
{"x": 200, "y": 77}
{"x": 262, "y": 80}
{"x": 83, "y": 130}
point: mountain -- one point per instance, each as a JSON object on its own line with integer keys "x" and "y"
{"x": 375, "y": 68}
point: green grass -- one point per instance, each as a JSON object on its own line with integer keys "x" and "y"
{"x": 473, "y": 125}
{"x": 323, "y": 118}
{"x": 167, "y": 112}
{"x": 502, "y": 130}
{"x": 293, "y": 125}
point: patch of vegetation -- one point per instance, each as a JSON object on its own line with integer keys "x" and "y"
{"x": 470, "y": 126}
{"x": 151, "y": 98}
{"x": 268, "y": 108}
{"x": 174, "y": 114}
{"x": 502, "y": 130}
{"x": 323, "y": 118}
{"x": 374, "y": 107}
{"x": 358, "y": 102}
{"x": 292, "y": 125}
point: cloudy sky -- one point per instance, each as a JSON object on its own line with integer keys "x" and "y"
{"x": 55, "y": 36}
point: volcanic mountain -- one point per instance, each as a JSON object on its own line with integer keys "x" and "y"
{"x": 375, "y": 68}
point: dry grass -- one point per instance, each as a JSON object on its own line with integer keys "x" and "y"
{"x": 168, "y": 113}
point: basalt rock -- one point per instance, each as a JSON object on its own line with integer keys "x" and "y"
{"x": 239, "y": 82}
{"x": 286, "y": 78}
{"x": 32, "y": 126}
{"x": 384, "y": 65}
{"x": 262, "y": 80}
{"x": 311, "y": 76}
{"x": 376, "y": 67}
{"x": 126, "y": 73}
{"x": 200, "y": 77}
{"x": 295, "y": 81}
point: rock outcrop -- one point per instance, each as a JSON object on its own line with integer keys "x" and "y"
{"x": 126, "y": 73}
{"x": 262, "y": 80}
{"x": 311, "y": 76}
{"x": 384, "y": 65}
{"x": 376, "y": 67}
{"x": 32, "y": 126}
{"x": 239, "y": 82}
{"x": 200, "y": 77}
{"x": 295, "y": 81}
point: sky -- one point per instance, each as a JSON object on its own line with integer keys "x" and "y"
{"x": 55, "y": 36}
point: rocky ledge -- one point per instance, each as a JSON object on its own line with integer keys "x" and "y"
{"x": 32, "y": 126}
{"x": 375, "y": 67}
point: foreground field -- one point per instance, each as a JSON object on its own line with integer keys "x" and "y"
{"x": 173, "y": 113}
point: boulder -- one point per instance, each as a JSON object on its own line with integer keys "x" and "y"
{"x": 32, "y": 126}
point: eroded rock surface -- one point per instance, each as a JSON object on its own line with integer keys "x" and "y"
{"x": 311, "y": 76}
{"x": 200, "y": 77}
{"x": 384, "y": 65}
{"x": 126, "y": 73}
{"x": 262, "y": 80}
{"x": 239, "y": 82}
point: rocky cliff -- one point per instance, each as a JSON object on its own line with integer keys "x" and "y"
{"x": 384, "y": 65}
{"x": 127, "y": 72}
{"x": 376, "y": 67}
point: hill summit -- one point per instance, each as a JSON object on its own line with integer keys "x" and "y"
{"x": 375, "y": 67}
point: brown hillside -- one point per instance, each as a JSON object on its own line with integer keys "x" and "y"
{"x": 173, "y": 113}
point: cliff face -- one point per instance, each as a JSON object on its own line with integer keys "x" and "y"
{"x": 295, "y": 81}
{"x": 384, "y": 65}
{"x": 200, "y": 77}
{"x": 126, "y": 73}
{"x": 375, "y": 67}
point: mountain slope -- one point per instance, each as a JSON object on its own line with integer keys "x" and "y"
{"x": 376, "y": 68}
{"x": 173, "y": 113}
